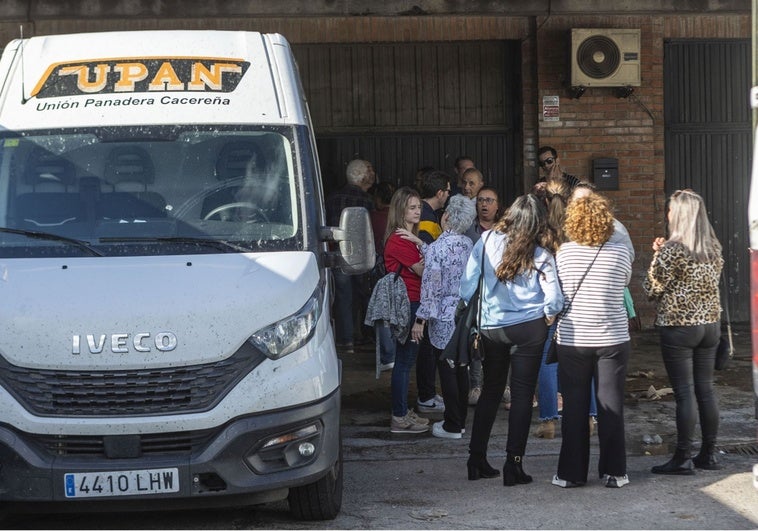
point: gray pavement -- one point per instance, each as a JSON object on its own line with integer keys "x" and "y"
{"x": 431, "y": 490}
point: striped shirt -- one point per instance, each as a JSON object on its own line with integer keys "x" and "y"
{"x": 597, "y": 316}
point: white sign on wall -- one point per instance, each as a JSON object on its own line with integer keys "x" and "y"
{"x": 551, "y": 108}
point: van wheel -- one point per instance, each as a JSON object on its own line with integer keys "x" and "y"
{"x": 321, "y": 500}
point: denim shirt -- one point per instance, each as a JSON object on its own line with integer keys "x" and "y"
{"x": 527, "y": 297}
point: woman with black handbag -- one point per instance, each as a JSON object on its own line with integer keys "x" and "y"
{"x": 683, "y": 278}
{"x": 520, "y": 297}
{"x": 444, "y": 261}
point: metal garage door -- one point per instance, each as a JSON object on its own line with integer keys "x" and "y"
{"x": 407, "y": 105}
{"x": 708, "y": 144}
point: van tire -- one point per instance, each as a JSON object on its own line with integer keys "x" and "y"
{"x": 320, "y": 500}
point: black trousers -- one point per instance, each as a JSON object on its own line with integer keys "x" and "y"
{"x": 576, "y": 368}
{"x": 689, "y": 353}
{"x": 454, "y": 382}
{"x": 524, "y": 364}
{"x": 426, "y": 369}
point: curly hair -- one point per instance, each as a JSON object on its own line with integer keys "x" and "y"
{"x": 589, "y": 220}
{"x": 524, "y": 225}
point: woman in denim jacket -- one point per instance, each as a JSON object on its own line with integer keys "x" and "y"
{"x": 520, "y": 298}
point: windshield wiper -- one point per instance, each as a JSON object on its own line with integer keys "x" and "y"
{"x": 218, "y": 244}
{"x": 54, "y": 238}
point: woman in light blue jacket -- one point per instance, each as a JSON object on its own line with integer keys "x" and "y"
{"x": 520, "y": 298}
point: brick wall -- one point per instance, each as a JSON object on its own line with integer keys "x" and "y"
{"x": 598, "y": 124}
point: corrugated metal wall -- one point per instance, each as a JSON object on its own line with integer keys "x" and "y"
{"x": 407, "y": 105}
{"x": 708, "y": 144}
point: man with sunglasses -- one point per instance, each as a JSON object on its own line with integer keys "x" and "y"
{"x": 550, "y": 165}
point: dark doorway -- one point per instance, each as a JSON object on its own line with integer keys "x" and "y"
{"x": 407, "y": 105}
{"x": 708, "y": 144}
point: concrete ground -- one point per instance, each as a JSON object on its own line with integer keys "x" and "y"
{"x": 722, "y": 499}
{"x": 649, "y": 406}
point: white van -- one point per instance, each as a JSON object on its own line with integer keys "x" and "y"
{"x": 753, "y": 232}
{"x": 166, "y": 336}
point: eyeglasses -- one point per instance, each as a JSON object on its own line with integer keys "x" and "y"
{"x": 547, "y": 161}
{"x": 485, "y": 200}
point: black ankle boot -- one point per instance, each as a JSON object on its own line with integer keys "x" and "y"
{"x": 706, "y": 458}
{"x": 513, "y": 472}
{"x": 479, "y": 468}
{"x": 679, "y": 465}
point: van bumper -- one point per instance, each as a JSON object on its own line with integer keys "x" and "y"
{"x": 235, "y": 466}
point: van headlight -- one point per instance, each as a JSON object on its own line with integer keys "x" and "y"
{"x": 292, "y": 332}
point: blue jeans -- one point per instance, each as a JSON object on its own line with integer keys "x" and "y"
{"x": 547, "y": 386}
{"x": 475, "y": 373}
{"x": 405, "y": 358}
{"x": 387, "y": 343}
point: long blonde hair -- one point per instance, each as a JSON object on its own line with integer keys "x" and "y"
{"x": 689, "y": 225}
{"x": 396, "y": 213}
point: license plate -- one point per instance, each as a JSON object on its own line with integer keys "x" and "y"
{"x": 121, "y": 483}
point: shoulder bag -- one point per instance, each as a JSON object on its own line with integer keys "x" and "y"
{"x": 465, "y": 344}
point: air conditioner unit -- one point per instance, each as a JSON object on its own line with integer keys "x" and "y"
{"x": 605, "y": 57}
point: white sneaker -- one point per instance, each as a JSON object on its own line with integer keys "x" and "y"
{"x": 616, "y": 482}
{"x": 386, "y": 366}
{"x": 433, "y": 405}
{"x": 565, "y": 484}
{"x": 439, "y": 431}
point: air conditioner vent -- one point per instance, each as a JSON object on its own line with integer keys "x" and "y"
{"x": 605, "y": 57}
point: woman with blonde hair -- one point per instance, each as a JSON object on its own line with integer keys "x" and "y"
{"x": 593, "y": 339}
{"x": 520, "y": 297}
{"x": 555, "y": 194}
{"x": 683, "y": 278}
{"x": 403, "y": 254}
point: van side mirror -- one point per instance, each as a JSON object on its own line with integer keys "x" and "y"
{"x": 355, "y": 237}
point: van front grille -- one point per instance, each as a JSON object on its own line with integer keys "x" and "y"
{"x": 180, "y": 443}
{"x": 125, "y": 393}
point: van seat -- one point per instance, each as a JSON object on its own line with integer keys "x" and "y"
{"x": 129, "y": 170}
{"x": 47, "y": 172}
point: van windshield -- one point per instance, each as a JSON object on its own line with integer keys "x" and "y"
{"x": 149, "y": 190}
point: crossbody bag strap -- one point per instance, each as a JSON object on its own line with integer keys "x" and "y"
{"x": 481, "y": 282}
{"x": 579, "y": 285}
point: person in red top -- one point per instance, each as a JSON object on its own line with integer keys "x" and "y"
{"x": 403, "y": 252}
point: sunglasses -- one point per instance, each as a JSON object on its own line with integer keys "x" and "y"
{"x": 547, "y": 161}
{"x": 685, "y": 191}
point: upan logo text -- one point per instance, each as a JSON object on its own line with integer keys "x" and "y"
{"x": 108, "y": 76}
{"x": 121, "y": 343}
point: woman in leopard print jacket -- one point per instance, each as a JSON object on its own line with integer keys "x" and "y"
{"x": 684, "y": 280}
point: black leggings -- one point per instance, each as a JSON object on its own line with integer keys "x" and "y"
{"x": 528, "y": 339}
{"x": 689, "y": 354}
